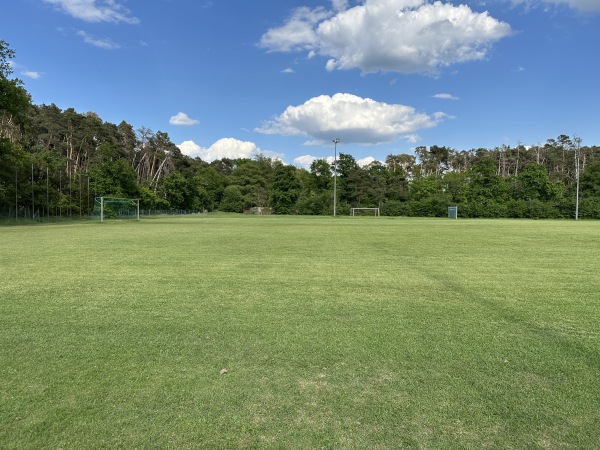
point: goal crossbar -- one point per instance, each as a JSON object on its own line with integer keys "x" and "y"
{"x": 375, "y": 210}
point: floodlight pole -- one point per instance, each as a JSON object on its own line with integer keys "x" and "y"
{"x": 335, "y": 143}
{"x": 577, "y": 156}
{"x": 16, "y": 194}
{"x": 32, "y": 196}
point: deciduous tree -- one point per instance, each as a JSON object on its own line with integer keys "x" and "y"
{"x": 285, "y": 190}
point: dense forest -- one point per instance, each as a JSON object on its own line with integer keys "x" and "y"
{"x": 54, "y": 162}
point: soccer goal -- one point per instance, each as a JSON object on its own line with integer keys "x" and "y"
{"x": 367, "y": 211}
{"x": 116, "y": 208}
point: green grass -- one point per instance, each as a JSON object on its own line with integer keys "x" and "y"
{"x": 336, "y": 333}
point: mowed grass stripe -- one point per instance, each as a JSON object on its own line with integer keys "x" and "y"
{"x": 345, "y": 333}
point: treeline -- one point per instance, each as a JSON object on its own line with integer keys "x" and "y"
{"x": 54, "y": 162}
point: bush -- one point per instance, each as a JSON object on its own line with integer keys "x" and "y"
{"x": 589, "y": 208}
{"x": 233, "y": 200}
{"x": 433, "y": 206}
{"x": 394, "y": 208}
{"x": 484, "y": 209}
{"x": 533, "y": 209}
{"x": 315, "y": 205}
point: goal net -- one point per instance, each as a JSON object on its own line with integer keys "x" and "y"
{"x": 116, "y": 208}
{"x": 365, "y": 212}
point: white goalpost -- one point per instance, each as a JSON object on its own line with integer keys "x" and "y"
{"x": 375, "y": 211}
{"x": 116, "y": 208}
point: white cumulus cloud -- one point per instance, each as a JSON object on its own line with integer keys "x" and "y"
{"x": 182, "y": 119}
{"x": 31, "y": 74}
{"x": 353, "y": 119}
{"x": 364, "y": 162}
{"x": 298, "y": 33}
{"x": 305, "y": 161}
{"x": 339, "y": 5}
{"x": 225, "y": 148}
{"x": 412, "y": 138}
{"x": 445, "y": 96}
{"x": 390, "y": 35}
{"x": 105, "y": 43}
{"x": 96, "y": 10}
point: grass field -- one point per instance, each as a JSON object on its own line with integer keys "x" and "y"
{"x": 335, "y": 333}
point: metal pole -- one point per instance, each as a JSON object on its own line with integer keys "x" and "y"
{"x": 335, "y": 143}
{"x": 577, "y": 146}
{"x": 577, "y": 194}
{"x": 70, "y": 194}
{"x": 47, "y": 194}
{"x": 80, "y": 195}
{"x": 32, "y": 197}
{"x": 16, "y": 194}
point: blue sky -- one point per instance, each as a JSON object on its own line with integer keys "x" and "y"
{"x": 234, "y": 78}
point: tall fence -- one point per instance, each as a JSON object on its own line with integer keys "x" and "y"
{"x": 38, "y": 192}
{"x": 168, "y": 212}
{"x": 27, "y": 214}
{"x": 39, "y": 214}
